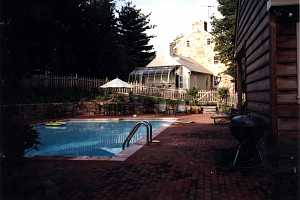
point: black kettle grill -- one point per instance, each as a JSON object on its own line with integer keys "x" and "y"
{"x": 248, "y": 130}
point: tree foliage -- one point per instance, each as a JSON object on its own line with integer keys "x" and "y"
{"x": 223, "y": 31}
{"x": 133, "y": 26}
{"x": 72, "y": 36}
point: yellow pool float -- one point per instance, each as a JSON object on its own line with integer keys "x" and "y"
{"x": 55, "y": 123}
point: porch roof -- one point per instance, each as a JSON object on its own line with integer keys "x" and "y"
{"x": 165, "y": 60}
{"x": 153, "y": 70}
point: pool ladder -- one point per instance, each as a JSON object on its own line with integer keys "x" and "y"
{"x": 148, "y": 126}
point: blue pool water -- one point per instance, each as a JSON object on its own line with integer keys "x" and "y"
{"x": 87, "y": 138}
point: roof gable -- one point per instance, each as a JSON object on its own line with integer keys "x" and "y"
{"x": 162, "y": 60}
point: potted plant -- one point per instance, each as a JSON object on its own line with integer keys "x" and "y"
{"x": 181, "y": 106}
{"x": 193, "y": 92}
{"x": 162, "y": 105}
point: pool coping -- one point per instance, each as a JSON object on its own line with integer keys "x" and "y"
{"x": 121, "y": 156}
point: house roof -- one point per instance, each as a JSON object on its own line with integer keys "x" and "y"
{"x": 152, "y": 70}
{"x": 163, "y": 59}
{"x": 168, "y": 60}
{"x": 193, "y": 66}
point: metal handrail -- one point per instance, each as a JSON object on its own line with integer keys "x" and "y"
{"x": 150, "y": 128}
{"x": 135, "y": 129}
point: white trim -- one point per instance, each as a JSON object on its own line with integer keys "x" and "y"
{"x": 271, "y": 3}
{"x": 169, "y": 76}
{"x": 284, "y": 2}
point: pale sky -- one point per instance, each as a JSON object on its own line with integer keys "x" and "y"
{"x": 174, "y": 17}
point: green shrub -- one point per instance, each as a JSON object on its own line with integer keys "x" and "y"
{"x": 223, "y": 93}
{"x": 17, "y": 136}
{"x": 193, "y": 94}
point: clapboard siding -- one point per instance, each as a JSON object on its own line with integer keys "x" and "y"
{"x": 253, "y": 36}
{"x": 250, "y": 23}
{"x": 287, "y": 98}
{"x": 287, "y": 29}
{"x": 266, "y": 46}
{"x": 260, "y": 108}
{"x": 261, "y": 61}
{"x": 288, "y": 124}
{"x": 261, "y": 85}
{"x": 263, "y": 97}
{"x": 259, "y": 32}
{"x": 287, "y": 83}
{"x": 261, "y": 73}
{"x": 286, "y": 69}
{"x": 261, "y": 50}
{"x": 244, "y": 14}
{"x": 258, "y": 48}
{"x": 287, "y": 42}
{"x": 288, "y": 109}
{"x": 287, "y": 56}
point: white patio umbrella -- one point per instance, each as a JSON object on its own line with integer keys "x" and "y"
{"x": 116, "y": 83}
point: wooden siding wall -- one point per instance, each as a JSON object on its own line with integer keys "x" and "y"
{"x": 200, "y": 81}
{"x": 253, "y": 36}
{"x": 288, "y": 110}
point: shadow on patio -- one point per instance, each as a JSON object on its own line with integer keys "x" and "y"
{"x": 191, "y": 161}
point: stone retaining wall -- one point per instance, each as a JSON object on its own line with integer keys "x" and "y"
{"x": 37, "y": 112}
{"x": 33, "y": 112}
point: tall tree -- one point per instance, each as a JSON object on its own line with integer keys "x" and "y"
{"x": 73, "y": 36}
{"x": 89, "y": 45}
{"x": 223, "y": 31}
{"x": 134, "y": 39}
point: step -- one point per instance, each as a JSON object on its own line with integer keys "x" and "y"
{"x": 209, "y": 109}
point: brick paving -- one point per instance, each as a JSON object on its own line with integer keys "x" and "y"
{"x": 183, "y": 165}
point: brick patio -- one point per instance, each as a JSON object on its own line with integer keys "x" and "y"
{"x": 183, "y": 165}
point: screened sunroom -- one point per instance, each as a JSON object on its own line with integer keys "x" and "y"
{"x": 163, "y": 76}
{"x": 172, "y": 72}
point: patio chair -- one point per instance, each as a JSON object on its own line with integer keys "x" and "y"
{"x": 171, "y": 109}
{"x": 224, "y": 118}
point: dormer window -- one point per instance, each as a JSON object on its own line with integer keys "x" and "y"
{"x": 188, "y": 43}
{"x": 216, "y": 59}
{"x": 208, "y": 41}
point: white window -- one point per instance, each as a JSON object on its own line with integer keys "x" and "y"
{"x": 180, "y": 81}
{"x": 188, "y": 43}
{"x": 208, "y": 41}
{"x": 216, "y": 60}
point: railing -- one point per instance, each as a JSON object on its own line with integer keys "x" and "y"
{"x": 154, "y": 92}
{"x": 135, "y": 129}
{"x": 169, "y": 93}
{"x": 56, "y": 81}
{"x": 210, "y": 96}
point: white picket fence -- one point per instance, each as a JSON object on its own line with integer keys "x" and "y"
{"x": 88, "y": 83}
{"x": 159, "y": 92}
{"x": 56, "y": 81}
{"x": 203, "y": 96}
{"x": 210, "y": 96}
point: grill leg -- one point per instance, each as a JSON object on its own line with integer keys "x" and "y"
{"x": 260, "y": 155}
{"x": 236, "y": 156}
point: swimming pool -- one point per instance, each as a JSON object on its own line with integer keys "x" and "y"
{"x": 89, "y": 137}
